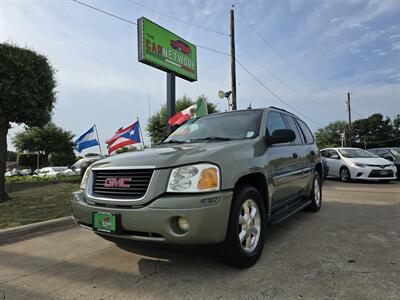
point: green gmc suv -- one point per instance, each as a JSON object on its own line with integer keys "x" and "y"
{"x": 219, "y": 179}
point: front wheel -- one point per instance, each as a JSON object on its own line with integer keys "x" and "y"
{"x": 245, "y": 236}
{"x": 345, "y": 174}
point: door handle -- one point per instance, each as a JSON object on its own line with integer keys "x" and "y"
{"x": 295, "y": 155}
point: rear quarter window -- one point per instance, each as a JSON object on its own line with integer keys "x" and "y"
{"x": 308, "y": 136}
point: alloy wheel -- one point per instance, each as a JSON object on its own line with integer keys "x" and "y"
{"x": 249, "y": 225}
{"x": 317, "y": 192}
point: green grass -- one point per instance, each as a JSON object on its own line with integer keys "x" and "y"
{"x": 37, "y": 204}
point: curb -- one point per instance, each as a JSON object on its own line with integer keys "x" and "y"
{"x": 15, "y": 234}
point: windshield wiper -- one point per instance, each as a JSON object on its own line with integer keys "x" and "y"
{"x": 173, "y": 142}
{"x": 212, "y": 138}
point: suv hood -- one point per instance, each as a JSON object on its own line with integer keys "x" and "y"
{"x": 171, "y": 155}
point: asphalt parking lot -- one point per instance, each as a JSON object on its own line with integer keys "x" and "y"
{"x": 350, "y": 250}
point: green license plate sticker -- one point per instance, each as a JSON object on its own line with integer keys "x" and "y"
{"x": 105, "y": 222}
{"x": 384, "y": 172}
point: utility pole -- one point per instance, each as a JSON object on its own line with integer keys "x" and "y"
{"x": 349, "y": 110}
{"x": 233, "y": 60}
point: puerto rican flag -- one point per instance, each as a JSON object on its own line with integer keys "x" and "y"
{"x": 124, "y": 137}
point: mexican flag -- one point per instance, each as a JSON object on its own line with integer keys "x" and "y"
{"x": 199, "y": 109}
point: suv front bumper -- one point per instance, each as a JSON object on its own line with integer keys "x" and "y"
{"x": 208, "y": 216}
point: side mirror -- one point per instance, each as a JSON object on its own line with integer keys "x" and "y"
{"x": 281, "y": 136}
{"x": 335, "y": 156}
{"x": 388, "y": 157}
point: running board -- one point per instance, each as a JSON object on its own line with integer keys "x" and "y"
{"x": 286, "y": 212}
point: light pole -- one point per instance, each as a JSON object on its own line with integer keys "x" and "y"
{"x": 226, "y": 95}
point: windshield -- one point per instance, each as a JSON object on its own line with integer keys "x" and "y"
{"x": 395, "y": 152}
{"x": 229, "y": 126}
{"x": 356, "y": 153}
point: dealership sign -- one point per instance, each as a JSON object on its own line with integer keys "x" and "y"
{"x": 165, "y": 50}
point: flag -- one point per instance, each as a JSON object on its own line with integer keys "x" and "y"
{"x": 124, "y": 137}
{"x": 199, "y": 109}
{"x": 87, "y": 140}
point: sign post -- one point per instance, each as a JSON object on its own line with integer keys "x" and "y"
{"x": 164, "y": 50}
{"x": 170, "y": 98}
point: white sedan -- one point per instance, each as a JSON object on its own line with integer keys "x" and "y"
{"x": 54, "y": 171}
{"x": 355, "y": 163}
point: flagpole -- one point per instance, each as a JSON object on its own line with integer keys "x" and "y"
{"x": 98, "y": 140}
{"x": 140, "y": 130}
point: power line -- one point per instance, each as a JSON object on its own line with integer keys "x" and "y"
{"x": 377, "y": 142}
{"x": 284, "y": 83}
{"x": 281, "y": 55}
{"x": 276, "y": 95}
{"x": 211, "y": 49}
{"x": 353, "y": 110}
{"x": 104, "y": 12}
{"x": 216, "y": 51}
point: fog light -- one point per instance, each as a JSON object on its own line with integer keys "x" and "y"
{"x": 183, "y": 224}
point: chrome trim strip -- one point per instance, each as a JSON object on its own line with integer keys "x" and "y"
{"x": 86, "y": 227}
{"x": 116, "y": 168}
{"x": 279, "y": 179}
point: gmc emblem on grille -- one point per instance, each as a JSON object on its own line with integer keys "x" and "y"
{"x": 113, "y": 182}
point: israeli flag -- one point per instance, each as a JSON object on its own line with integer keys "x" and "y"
{"x": 86, "y": 140}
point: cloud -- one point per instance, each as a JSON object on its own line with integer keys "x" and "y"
{"x": 334, "y": 20}
{"x": 396, "y": 45}
{"x": 355, "y": 25}
{"x": 394, "y": 37}
{"x": 355, "y": 50}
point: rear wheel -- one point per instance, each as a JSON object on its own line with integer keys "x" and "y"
{"x": 245, "y": 236}
{"x": 316, "y": 194}
{"x": 345, "y": 174}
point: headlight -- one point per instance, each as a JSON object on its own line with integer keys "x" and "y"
{"x": 194, "y": 178}
{"x": 85, "y": 177}
{"x": 360, "y": 165}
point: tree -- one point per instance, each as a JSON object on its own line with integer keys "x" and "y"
{"x": 157, "y": 125}
{"x": 374, "y": 131}
{"x": 329, "y": 136}
{"x": 11, "y": 156}
{"x": 127, "y": 149}
{"x": 47, "y": 140}
{"x": 27, "y": 94}
{"x": 30, "y": 160}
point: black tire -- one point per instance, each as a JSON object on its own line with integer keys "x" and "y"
{"x": 231, "y": 251}
{"x": 342, "y": 176}
{"x": 316, "y": 202}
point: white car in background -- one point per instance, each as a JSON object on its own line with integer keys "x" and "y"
{"x": 54, "y": 171}
{"x": 354, "y": 163}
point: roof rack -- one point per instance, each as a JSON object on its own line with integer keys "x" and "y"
{"x": 281, "y": 109}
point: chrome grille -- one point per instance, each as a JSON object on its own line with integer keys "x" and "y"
{"x": 115, "y": 183}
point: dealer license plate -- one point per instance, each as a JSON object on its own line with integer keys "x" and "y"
{"x": 383, "y": 172}
{"x": 105, "y": 222}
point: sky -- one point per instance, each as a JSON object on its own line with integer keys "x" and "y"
{"x": 309, "y": 54}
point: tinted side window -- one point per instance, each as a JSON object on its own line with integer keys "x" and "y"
{"x": 292, "y": 126}
{"x": 275, "y": 121}
{"x": 325, "y": 153}
{"x": 333, "y": 152}
{"x": 306, "y": 132}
